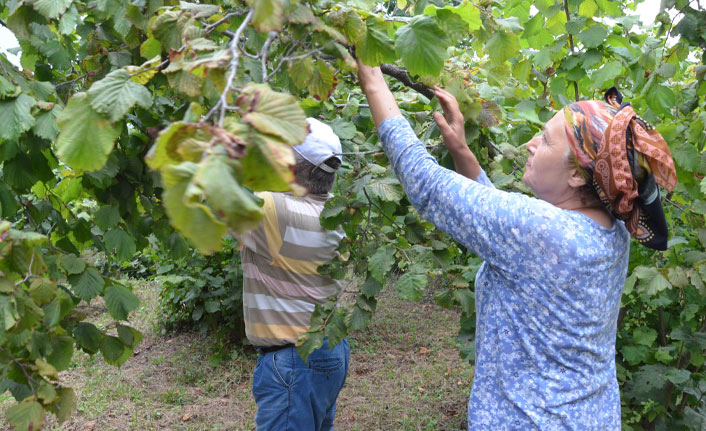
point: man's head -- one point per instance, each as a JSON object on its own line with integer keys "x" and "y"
{"x": 318, "y": 158}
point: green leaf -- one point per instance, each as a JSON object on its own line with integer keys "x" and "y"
{"x": 88, "y": 284}
{"x": 69, "y": 21}
{"x": 42, "y": 291}
{"x": 411, "y": 286}
{"x": 121, "y": 243}
{"x": 167, "y": 31}
{"x": 45, "y": 126}
{"x": 666, "y": 70}
{"x": 380, "y": 262}
{"x": 120, "y": 301}
{"x": 112, "y": 349}
{"x": 65, "y": 404}
{"x": 193, "y": 219}
{"x": 386, "y": 189}
{"x": 358, "y": 319}
{"x": 116, "y": 94}
{"x": 51, "y": 9}
{"x": 27, "y": 415}
{"x": 72, "y": 264}
{"x": 645, "y": 336}
{"x": 634, "y": 354}
{"x": 275, "y": 113}
{"x": 86, "y": 138}
{"x": 607, "y": 73}
{"x": 525, "y": 110}
{"x": 62, "y": 349}
{"x": 469, "y": 12}
{"x": 422, "y": 46}
{"x": 106, "y": 217}
{"x": 268, "y": 16}
{"x": 678, "y": 376}
{"x": 594, "y": 36}
{"x": 371, "y": 287}
{"x": 335, "y": 328}
{"x": 231, "y": 202}
{"x": 88, "y": 337}
{"x": 502, "y": 46}
{"x": 309, "y": 342}
{"x": 16, "y": 117}
{"x": 651, "y": 280}
{"x": 376, "y": 47}
{"x": 687, "y": 157}
{"x": 661, "y": 99}
{"x": 343, "y": 129}
{"x": 150, "y": 48}
{"x": 588, "y": 8}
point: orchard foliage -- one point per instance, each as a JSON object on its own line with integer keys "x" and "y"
{"x": 135, "y": 124}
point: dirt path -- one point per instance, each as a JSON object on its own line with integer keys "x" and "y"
{"x": 405, "y": 374}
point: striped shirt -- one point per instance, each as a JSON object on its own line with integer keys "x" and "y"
{"x": 281, "y": 284}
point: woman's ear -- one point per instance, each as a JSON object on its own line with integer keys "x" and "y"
{"x": 576, "y": 180}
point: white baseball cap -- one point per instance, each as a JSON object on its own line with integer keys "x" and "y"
{"x": 320, "y": 145}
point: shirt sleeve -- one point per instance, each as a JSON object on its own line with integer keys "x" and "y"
{"x": 256, "y": 240}
{"x": 508, "y": 230}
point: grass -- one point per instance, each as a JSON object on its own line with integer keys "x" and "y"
{"x": 405, "y": 374}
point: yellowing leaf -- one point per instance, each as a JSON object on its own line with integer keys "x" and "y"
{"x": 323, "y": 81}
{"x": 186, "y": 212}
{"x": 376, "y": 46}
{"x": 268, "y": 16}
{"x": 233, "y": 204}
{"x": 301, "y": 71}
{"x": 168, "y": 147}
{"x": 275, "y": 113}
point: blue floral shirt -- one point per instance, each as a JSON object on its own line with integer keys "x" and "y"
{"x": 547, "y": 296}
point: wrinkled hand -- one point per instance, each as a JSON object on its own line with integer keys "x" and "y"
{"x": 451, "y": 122}
{"x": 370, "y": 77}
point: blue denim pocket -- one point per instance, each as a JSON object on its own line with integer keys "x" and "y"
{"x": 325, "y": 365}
{"x": 283, "y": 366}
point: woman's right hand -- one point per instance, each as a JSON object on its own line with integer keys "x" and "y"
{"x": 451, "y": 122}
{"x": 452, "y": 128}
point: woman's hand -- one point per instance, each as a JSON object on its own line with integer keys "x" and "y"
{"x": 382, "y": 102}
{"x": 451, "y": 122}
{"x": 453, "y": 131}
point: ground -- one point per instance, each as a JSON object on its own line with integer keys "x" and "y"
{"x": 405, "y": 374}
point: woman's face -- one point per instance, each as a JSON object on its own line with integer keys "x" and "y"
{"x": 547, "y": 172}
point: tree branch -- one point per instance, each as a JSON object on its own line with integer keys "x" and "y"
{"x": 263, "y": 53}
{"x": 402, "y": 76}
{"x": 234, "y": 63}
{"x": 571, "y": 44}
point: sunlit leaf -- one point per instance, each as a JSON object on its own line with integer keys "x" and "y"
{"x": 422, "y": 46}
{"x": 86, "y": 138}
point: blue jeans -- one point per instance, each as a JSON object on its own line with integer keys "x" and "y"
{"x": 293, "y": 395}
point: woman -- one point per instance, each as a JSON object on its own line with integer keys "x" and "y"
{"x": 548, "y": 293}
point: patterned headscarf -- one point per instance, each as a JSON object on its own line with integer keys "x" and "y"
{"x": 625, "y": 157}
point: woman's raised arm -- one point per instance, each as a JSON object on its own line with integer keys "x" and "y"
{"x": 382, "y": 102}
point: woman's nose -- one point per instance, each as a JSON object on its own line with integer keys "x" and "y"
{"x": 532, "y": 145}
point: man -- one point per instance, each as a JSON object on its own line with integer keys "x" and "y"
{"x": 281, "y": 287}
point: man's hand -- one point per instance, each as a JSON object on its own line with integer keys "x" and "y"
{"x": 453, "y": 131}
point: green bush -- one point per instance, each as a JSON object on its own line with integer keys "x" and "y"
{"x": 203, "y": 293}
